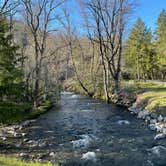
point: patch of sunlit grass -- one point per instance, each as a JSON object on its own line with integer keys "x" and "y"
{"x": 9, "y": 161}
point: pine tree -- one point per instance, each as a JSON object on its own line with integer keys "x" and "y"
{"x": 137, "y": 52}
{"x": 10, "y": 74}
{"x": 161, "y": 41}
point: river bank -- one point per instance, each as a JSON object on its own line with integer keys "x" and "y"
{"x": 14, "y": 120}
{"x": 148, "y": 102}
{"x": 11, "y": 113}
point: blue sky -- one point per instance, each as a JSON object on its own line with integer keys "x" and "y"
{"x": 147, "y": 10}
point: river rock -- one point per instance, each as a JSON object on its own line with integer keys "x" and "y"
{"x": 89, "y": 156}
{"x": 164, "y": 130}
{"x": 152, "y": 127}
{"x": 133, "y": 110}
{"x": 143, "y": 114}
{"x": 157, "y": 150}
{"x": 159, "y": 136}
{"x": 52, "y": 154}
{"x": 157, "y": 155}
{"x": 24, "y": 155}
{"x": 84, "y": 142}
{"x": 27, "y": 122}
{"x": 148, "y": 118}
{"x": 125, "y": 122}
{"x": 160, "y": 118}
{"x": 40, "y": 156}
{"x": 3, "y": 138}
{"x": 153, "y": 115}
{"x": 159, "y": 127}
{"x": 153, "y": 121}
{"x": 25, "y": 140}
{"x": 18, "y": 135}
{"x": 32, "y": 143}
{"x": 23, "y": 134}
{"x": 18, "y": 145}
{"x": 43, "y": 144}
{"x": 164, "y": 119}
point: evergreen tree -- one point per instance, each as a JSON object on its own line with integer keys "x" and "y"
{"x": 138, "y": 50}
{"x": 10, "y": 74}
{"x": 161, "y": 42}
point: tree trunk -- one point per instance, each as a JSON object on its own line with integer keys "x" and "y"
{"x": 36, "y": 89}
{"x": 105, "y": 81}
{"x": 116, "y": 85}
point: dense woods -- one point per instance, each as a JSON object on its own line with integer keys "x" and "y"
{"x": 42, "y": 50}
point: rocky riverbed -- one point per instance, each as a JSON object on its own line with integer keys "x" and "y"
{"x": 85, "y": 131}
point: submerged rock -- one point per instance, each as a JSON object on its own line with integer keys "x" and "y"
{"x": 89, "y": 156}
{"x": 157, "y": 155}
{"x": 152, "y": 127}
{"x": 157, "y": 150}
{"x": 87, "y": 110}
{"x": 159, "y": 136}
{"x": 85, "y": 141}
{"x": 125, "y": 122}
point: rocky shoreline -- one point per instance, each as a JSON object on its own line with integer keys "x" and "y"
{"x": 14, "y": 140}
{"x": 154, "y": 121}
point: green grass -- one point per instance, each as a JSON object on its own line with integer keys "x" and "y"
{"x": 153, "y": 101}
{"x": 10, "y": 161}
{"x": 13, "y": 112}
{"x": 151, "y": 96}
{"x": 140, "y": 86}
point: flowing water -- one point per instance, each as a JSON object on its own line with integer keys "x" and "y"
{"x": 85, "y": 131}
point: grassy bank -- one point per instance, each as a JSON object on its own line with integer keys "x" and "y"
{"x": 150, "y": 96}
{"x": 8, "y": 161}
{"x": 14, "y": 112}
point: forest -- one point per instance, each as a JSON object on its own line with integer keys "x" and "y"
{"x": 43, "y": 52}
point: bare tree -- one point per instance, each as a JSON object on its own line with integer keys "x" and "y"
{"x": 40, "y": 16}
{"x": 7, "y": 7}
{"x": 73, "y": 42}
{"x": 108, "y": 20}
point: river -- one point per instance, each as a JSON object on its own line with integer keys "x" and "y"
{"x": 85, "y": 131}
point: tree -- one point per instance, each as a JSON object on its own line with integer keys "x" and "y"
{"x": 8, "y": 6}
{"x": 10, "y": 74}
{"x": 74, "y": 46}
{"x": 161, "y": 41}
{"x": 40, "y": 17}
{"x": 138, "y": 52}
{"x": 107, "y": 20}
